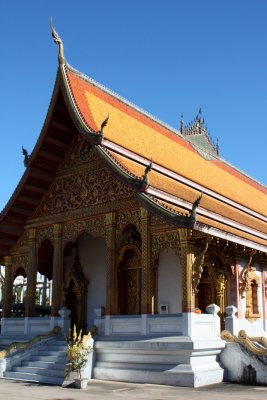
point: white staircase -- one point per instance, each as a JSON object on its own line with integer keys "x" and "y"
{"x": 44, "y": 365}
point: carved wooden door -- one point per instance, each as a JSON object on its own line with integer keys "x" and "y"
{"x": 133, "y": 292}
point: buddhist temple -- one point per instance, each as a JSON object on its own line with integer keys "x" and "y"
{"x": 143, "y": 231}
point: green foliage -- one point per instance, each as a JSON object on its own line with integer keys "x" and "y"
{"x": 78, "y": 351}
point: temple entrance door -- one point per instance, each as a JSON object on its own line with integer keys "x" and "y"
{"x": 129, "y": 283}
{"x": 76, "y": 288}
{"x": 206, "y": 294}
{"x": 133, "y": 291}
{"x": 211, "y": 290}
{"x": 72, "y": 303}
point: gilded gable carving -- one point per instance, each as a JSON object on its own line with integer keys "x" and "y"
{"x": 81, "y": 190}
{"x": 80, "y": 152}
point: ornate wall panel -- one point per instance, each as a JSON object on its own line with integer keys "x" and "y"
{"x": 81, "y": 152}
{"x": 22, "y": 241}
{"x": 164, "y": 240}
{"x": 44, "y": 232}
{"x": 81, "y": 190}
{"x": 128, "y": 217}
{"x": 155, "y": 221}
{"x": 20, "y": 260}
{"x": 94, "y": 226}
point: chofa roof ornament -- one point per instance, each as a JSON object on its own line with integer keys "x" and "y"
{"x": 101, "y": 132}
{"x": 58, "y": 41}
{"x": 145, "y": 181}
{"x": 193, "y": 213}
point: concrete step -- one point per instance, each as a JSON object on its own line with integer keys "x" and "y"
{"x": 37, "y": 357}
{"x": 56, "y": 348}
{"x": 180, "y": 361}
{"x": 44, "y": 364}
{"x": 34, "y": 378}
{"x": 134, "y": 366}
{"x": 47, "y": 352}
{"x": 39, "y": 371}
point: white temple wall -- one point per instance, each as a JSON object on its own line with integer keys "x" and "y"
{"x": 92, "y": 253}
{"x": 170, "y": 281}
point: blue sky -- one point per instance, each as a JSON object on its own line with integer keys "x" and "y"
{"x": 166, "y": 56}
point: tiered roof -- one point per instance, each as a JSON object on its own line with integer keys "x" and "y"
{"x": 166, "y": 167}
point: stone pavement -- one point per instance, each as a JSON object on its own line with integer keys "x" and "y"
{"x": 103, "y": 390}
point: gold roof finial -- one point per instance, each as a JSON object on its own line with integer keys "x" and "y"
{"x": 58, "y": 41}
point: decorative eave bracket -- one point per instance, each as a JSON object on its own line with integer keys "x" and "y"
{"x": 198, "y": 264}
{"x": 243, "y": 278}
{"x": 168, "y": 215}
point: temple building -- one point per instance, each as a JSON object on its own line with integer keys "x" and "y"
{"x": 142, "y": 230}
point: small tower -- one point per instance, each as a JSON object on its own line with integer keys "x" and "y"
{"x": 196, "y": 132}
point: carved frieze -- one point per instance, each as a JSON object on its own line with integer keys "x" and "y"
{"x": 80, "y": 152}
{"x": 160, "y": 241}
{"x": 94, "y": 226}
{"x": 20, "y": 261}
{"x": 126, "y": 217}
{"x": 81, "y": 190}
{"x": 22, "y": 241}
{"x": 44, "y": 232}
{"x": 154, "y": 221}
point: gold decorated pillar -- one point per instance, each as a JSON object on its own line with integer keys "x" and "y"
{"x": 8, "y": 287}
{"x": 31, "y": 275}
{"x": 146, "y": 281}
{"x": 111, "y": 272}
{"x": 187, "y": 260}
{"x": 220, "y": 285}
{"x": 57, "y": 270}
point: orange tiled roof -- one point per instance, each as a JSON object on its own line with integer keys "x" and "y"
{"x": 135, "y": 131}
{"x": 233, "y": 204}
{"x": 184, "y": 192}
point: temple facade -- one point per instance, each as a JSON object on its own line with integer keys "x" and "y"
{"x": 141, "y": 229}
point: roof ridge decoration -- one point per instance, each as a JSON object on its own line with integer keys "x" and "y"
{"x": 101, "y": 132}
{"x": 145, "y": 180}
{"x": 26, "y": 157}
{"x": 196, "y": 132}
{"x": 95, "y": 137}
{"x": 57, "y": 39}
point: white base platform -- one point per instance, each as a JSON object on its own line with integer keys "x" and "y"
{"x": 178, "y": 361}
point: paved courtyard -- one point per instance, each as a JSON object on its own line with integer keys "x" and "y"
{"x": 102, "y": 390}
